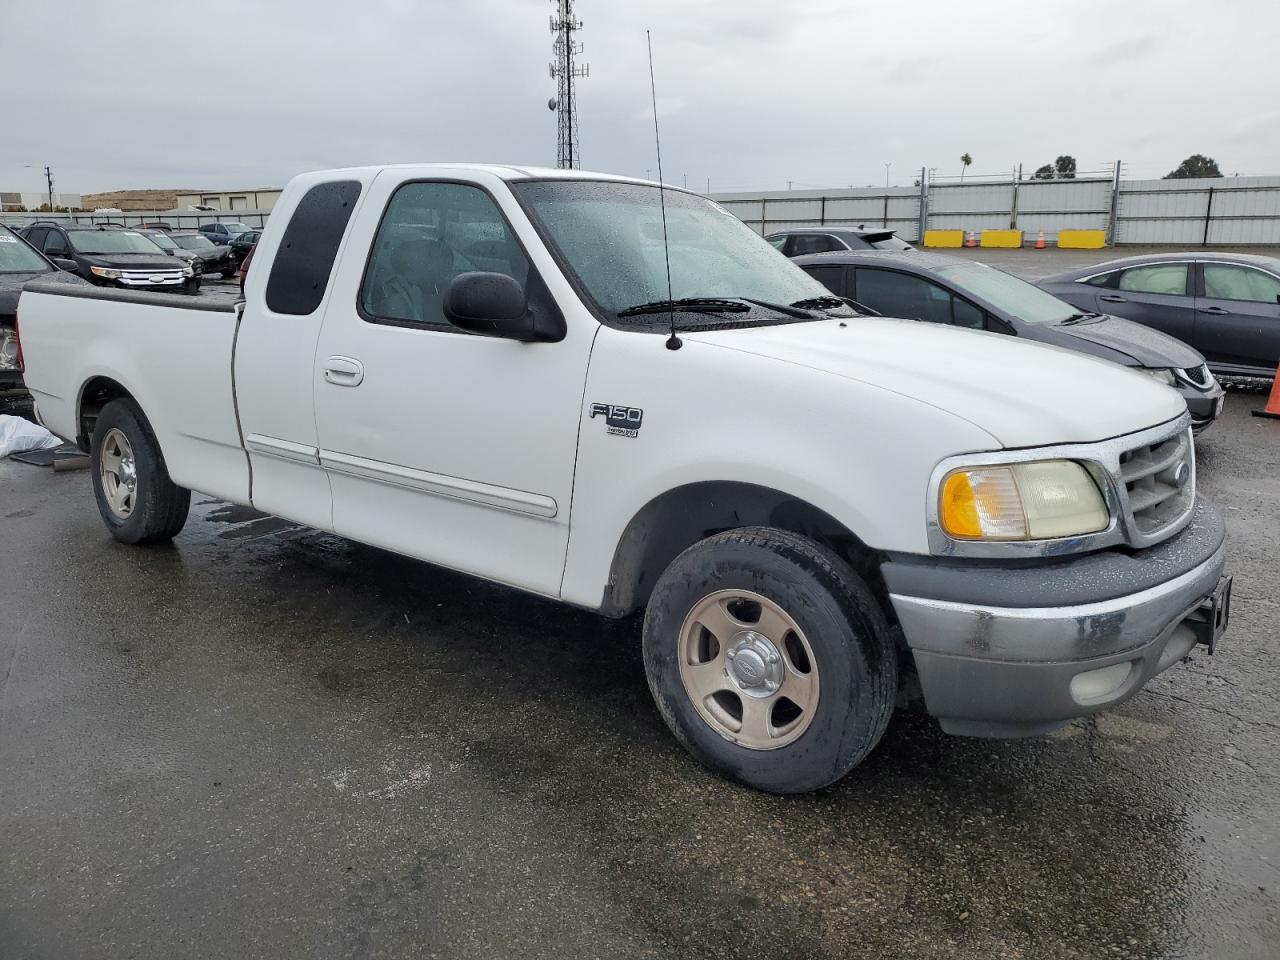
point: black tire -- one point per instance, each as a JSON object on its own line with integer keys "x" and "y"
{"x": 851, "y": 641}
{"x": 160, "y": 506}
{"x": 228, "y": 274}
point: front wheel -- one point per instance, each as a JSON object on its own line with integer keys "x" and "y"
{"x": 137, "y": 500}
{"x": 770, "y": 659}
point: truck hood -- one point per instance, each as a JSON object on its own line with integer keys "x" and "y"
{"x": 1024, "y": 394}
{"x": 1143, "y": 346}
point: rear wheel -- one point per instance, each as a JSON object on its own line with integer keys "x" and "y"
{"x": 137, "y": 500}
{"x": 769, "y": 659}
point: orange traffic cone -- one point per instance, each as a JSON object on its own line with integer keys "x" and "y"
{"x": 1040, "y": 241}
{"x": 972, "y": 241}
{"x": 1272, "y": 409}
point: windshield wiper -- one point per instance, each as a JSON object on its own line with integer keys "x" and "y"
{"x": 1077, "y": 318}
{"x": 688, "y": 304}
{"x": 787, "y": 311}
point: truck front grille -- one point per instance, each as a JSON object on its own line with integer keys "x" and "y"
{"x": 1158, "y": 481}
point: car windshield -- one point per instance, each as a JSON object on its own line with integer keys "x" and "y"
{"x": 110, "y": 241}
{"x": 1007, "y": 293}
{"x": 610, "y": 236}
{"x": 192, "y": 242}
{"x": 162, "y": 240}
{"x": 17, "y": 257}
{"x": 235, "y": 227}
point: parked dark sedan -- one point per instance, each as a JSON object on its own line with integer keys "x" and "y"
{"x": 19, "y": 262}
{"x": 798, "y": 242}
{"x": 1226, "y": 305}
{"x": 942, "y": 289}
{"x": 214, "y": 258}
{"x": 244, "y": 243}
{"x": 108, "y": 256}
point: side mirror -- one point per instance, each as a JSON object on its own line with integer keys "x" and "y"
{"x": 64, "y": 264}
{"x": 490, "y": 303}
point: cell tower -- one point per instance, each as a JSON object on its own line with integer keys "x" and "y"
{"x": 565, "y": 71}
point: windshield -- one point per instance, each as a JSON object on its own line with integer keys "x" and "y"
{"x": 17, "y": 257}
{"x": 1007, "y": 293}
{"x": 234, "y": 226}
{"x": 110, "y": 241}
{"x": 191, "y": 242}
{"x": 162, "y": 240}
{"x": 610, "y": 235}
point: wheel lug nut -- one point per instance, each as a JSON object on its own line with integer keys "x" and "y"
{"x": 731, "y": 654}
{"x": 773, "y": 658}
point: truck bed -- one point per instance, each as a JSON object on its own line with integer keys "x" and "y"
{"x": 80, "y": 341}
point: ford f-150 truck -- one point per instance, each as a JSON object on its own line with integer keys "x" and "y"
{"x": 476, "y": 366}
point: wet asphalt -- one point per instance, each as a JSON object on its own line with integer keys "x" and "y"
{"x": 264, "y": 741}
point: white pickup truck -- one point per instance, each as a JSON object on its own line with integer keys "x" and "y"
{"x": 474, "y": 366}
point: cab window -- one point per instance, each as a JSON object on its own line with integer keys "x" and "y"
{"x": 1168, "y": 279}
{"x": 431, "y": 233}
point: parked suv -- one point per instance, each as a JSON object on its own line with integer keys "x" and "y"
{"x": 797, "y": 243}
{"x": 224, "y": 231}
{"x": 108, "y": 256}
{"x": 951, "y": 290}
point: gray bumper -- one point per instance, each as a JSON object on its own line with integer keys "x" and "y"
{"x": 1203, "y": 405}
{"x": 1028, "y": 648}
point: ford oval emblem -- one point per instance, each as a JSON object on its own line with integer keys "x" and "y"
{"x": 157, "y": 279}
{"x": 1181, "y": 474}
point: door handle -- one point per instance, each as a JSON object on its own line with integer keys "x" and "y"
{"x": 344, "y": 371}
{"x": 1216, "y": 311}
{"x": 1111, "y": 298}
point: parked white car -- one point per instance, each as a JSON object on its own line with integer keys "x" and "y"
{"x": 474, "y": 365}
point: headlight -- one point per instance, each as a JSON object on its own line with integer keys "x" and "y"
{"x": 188, "y": 271}
{"x": 106, "y": 272}
{"x": 8, "y": 350}
{"x": 1164, "y": 376}
{"x": 1021, "y": 501}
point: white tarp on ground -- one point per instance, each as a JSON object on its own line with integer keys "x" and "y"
{"x": 18, "y": 436}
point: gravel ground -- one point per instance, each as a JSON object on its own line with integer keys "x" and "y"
{"x": 264, "y": 741}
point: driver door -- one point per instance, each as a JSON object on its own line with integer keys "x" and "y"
{"x": 441, "y": 444}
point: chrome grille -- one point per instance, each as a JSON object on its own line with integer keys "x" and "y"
{"x": 1158, "y": 480}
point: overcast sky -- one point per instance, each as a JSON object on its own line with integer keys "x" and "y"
{"x": 752, "y": 94}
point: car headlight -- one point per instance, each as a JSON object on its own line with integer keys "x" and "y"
{"x": 1164, "y": 376}
{"x": 1042, "y": 500}
{"x": 188, "y": 270}
{"x": 8, "y": 350}
{"x": 105, "y": 272}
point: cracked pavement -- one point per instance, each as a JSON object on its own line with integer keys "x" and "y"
{"x": 265, "y": 741}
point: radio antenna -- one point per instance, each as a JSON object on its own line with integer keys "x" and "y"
{"x": 673, "y": 341}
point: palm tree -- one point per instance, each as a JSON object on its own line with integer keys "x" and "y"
{"x": 965, "y": 160}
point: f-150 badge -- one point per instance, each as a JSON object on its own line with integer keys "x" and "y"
{"x": 619, "y": 421}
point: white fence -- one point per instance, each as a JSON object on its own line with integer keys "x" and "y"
{"x": 1217, "y": 212}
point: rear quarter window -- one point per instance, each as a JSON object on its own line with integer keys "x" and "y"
{"x": 304, "y": 259}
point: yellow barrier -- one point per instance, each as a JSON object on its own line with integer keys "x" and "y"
{"x": 1082, "y": 239}
{"x": 1001, "y": 238}
{"x": 944, "y": 238}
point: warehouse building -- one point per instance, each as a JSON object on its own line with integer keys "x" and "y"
{"x": 262, "y": 198}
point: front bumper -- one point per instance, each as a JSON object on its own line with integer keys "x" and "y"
{"x": 1203, "y": 405}
{"x": 1015, "y": 651}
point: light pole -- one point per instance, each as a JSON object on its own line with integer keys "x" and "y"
{"x": 886, "y": 175}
